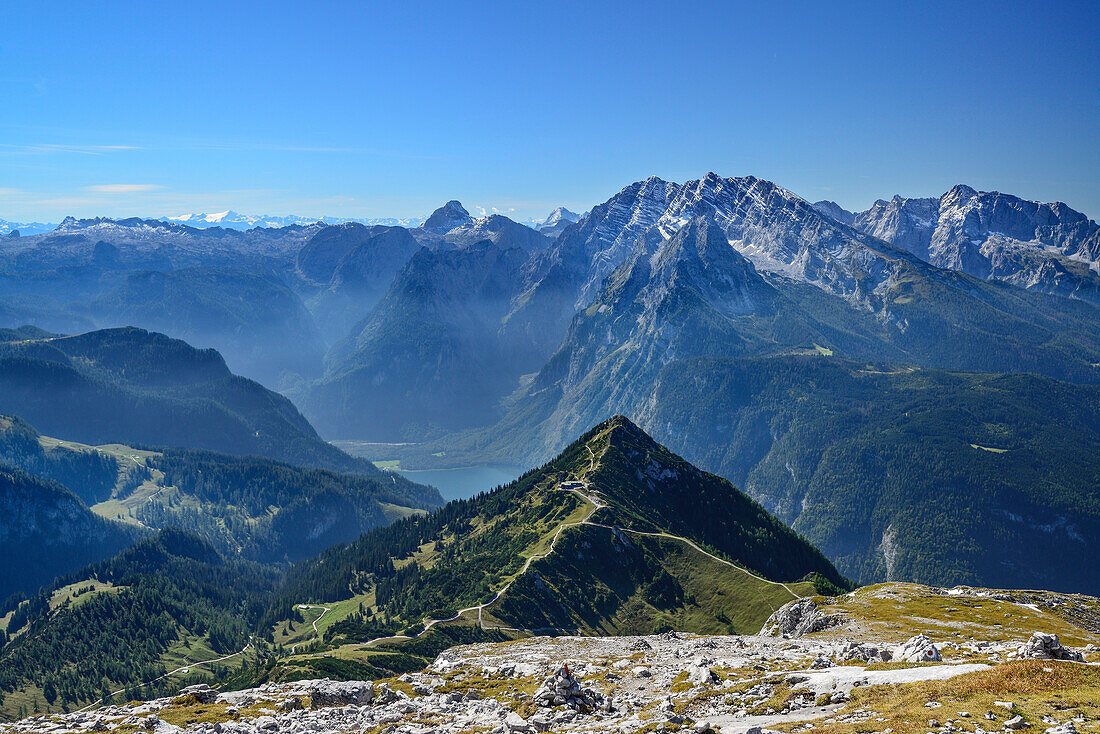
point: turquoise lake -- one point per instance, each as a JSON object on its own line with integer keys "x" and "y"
{"x": 464, "y": 482}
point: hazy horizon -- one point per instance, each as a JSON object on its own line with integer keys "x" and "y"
{"x": 369, "y": 112}
{"x": 476, "y": 211}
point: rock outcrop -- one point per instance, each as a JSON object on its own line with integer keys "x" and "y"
{"x": 1046, "y": 646}
{"x": 918, "y": 649}
{"x": 866, "y": 652}
{"x": 799, "y": 617}
{"x": 326, "y": 692}
{"x": 201, "y": 693}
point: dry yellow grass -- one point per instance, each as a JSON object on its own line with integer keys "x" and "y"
{"x": 1037, "y": 688}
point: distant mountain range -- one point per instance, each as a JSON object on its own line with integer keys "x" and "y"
{"x": 486, "y": 340}
{"x": 10, "y": 229}
{"x": 232, "y": 220}
{"x": 557, "y": 222}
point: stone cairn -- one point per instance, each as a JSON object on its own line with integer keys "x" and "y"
{"x": 563, "y": 689}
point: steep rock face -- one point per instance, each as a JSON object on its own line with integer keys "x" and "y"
{"x": 776, "y": 230}
{"x": 782, "y": 233}
{"x": 609, "y": 236}
{"x": 906, "y": 223}
{"x": 447, "y": 217}
{"x": 1046, "y": 247}
{"x": 560, "y": 214}
{"x": 612, "y": 285}
{"x": 497, "y": 229}
{"x": 320, "y": 256}
{"x": 679, "y": 301}
{"x": 370, "y": 266}
{"x": 836, "y": 211}
{"x": 346, "y": 252}
{"x": 349, "y": 268}
{"x": 436, "y": 351}
{"x": 813, "y": 283}
{"x": 886, "y": 294}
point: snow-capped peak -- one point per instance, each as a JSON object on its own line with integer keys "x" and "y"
{"x": 447, "y": 217}
{"x": 234, "y": 220}
{"x": 561, "y": 214}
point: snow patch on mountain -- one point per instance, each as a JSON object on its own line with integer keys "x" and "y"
{"x": 7, "y": 229}
{"x": 233, "y": 220}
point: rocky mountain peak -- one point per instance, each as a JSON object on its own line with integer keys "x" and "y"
{"x": 621, "y": 428}
{"x": 994, "y": 236}
{"x": 836, "y": 211}
{"x": 447, "y": 217}
{"x": 557, "y": 222}
{"x": 500, "y": 230}
{"x": 956, "y": 194}
{"x": 773, "y": 228}
{"x": 700, "y": 240}
{"x": 700, "y": 257}
{"x": 559, "y": 214}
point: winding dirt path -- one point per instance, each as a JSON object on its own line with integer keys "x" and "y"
{"x": 294, "y": 647}
{"x": 180, "y": 669}
{"x": 596, "y": 504}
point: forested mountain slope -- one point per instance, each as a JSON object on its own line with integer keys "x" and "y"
{"x": 247, "y": 507}
{"x": 167, "y": 602}
{"x": 48, "y": 531}
{"x": 616, "y": 534}
{"x": 135, "y": 387}
{"x": 894, "y": 472}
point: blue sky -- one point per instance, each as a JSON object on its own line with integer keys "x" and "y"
{"x": 388, "y": 109}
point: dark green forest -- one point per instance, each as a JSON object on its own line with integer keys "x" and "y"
{"x": 167, "y": 590}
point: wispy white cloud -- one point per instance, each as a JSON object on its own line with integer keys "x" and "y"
{"x": 122, "y": 188}
{"x": 52, "y": 148}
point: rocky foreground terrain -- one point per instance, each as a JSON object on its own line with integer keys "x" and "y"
{"x": 893, "y": 658}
